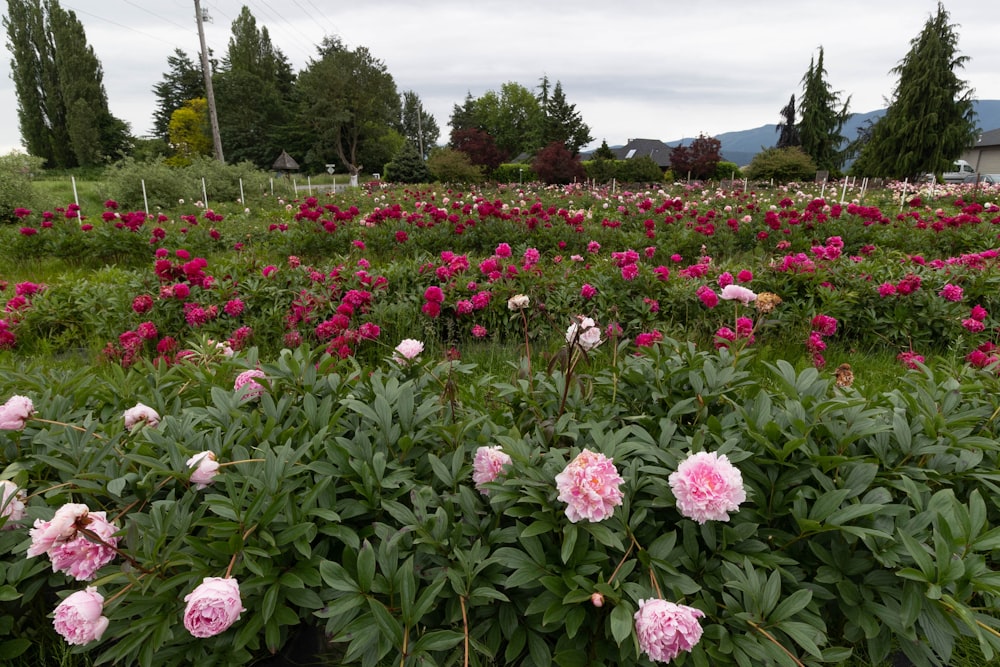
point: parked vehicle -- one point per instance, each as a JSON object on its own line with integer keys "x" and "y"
{"x": 989, "y": 179}
{"x": 962, "y": 170}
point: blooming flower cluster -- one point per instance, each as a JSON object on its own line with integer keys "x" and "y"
{"x": 823, "y": 326}
{"x": 584, "y": 333}
{"x": 590, "y": 486}
{"x": 78, "y": 542}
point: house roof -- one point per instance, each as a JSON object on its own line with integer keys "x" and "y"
{"x": 653, "y": 148}
{"x": 987, "y": 139}
{"x": 285, "y": 163}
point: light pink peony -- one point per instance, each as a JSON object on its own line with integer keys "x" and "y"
{"x": 15, "y": 412}
{"x": 61, "y": 528}
{"x": 488, "y": 463}
{"x": 707, "y": 487}
{"x": 408, "y": 350}
{"x": 205, "y": 468}
{"x": 83, "y": 556}
{"x": 212, "y": 607}
{"x": 589, "y": 484}
{"x": 78, "y": 618}
{"x": 139, "y": 414}
{"x": 737, "y": 293}
{"x": 584, "y": 332}
{"x": 665, "y": 629}
{"x": 251, "y": 388}
{"x": 11, "y": 503}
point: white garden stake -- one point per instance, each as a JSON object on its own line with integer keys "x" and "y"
{"x": 145, "y": 201}
{"x": 242, "y": 200}
{"x": 204, "y": 193}
{"x": 79, "y": 213}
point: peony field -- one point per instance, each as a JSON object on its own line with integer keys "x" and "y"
{"x": 700, "y": 424}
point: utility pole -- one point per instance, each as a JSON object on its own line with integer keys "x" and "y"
{"x": 213, "y": 117}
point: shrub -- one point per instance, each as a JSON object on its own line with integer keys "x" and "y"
{"x": 407, "y": 167}
{"x": 165, "y": 185}
{"x": 725, "y": 171}
{"x": 16, "y": 188}
{"x": 782, "y": 165}
{"x": 641, "y": 169}
{"x": 554, "y": 164}
{"x": 450, "y": 166}
{"x": 510, "y": 172}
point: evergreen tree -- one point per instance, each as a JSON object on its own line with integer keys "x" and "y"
{"x": 408, "y": 166}
{"x": 930, "y": 119}
{"x": 788, "y": 132}
{"x": 62, "y": 104}
{"x": 823, "y": 118}
{"x": 182, "y": 82}
{"x": 466, "y": 116}
{"x": 562, "y": 122}
{"x": 418, "y": 126}
{"x": 604, "y": 152}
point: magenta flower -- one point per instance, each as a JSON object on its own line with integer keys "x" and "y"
{"x": 973, "y": 325}
{"x": 488, "y": 463}
{"x": 79, "y": 617}
{"x": 479, "y": 331}
{"x": 15, "y": 412}
{"x": 589, "y": 486}
{"x": 630, "y": 271}
{"x": 951, "y": 292}
{"x": 503, "y": 250}
{"x": 725, "y": 279}
{"x": 708, "y": 297}
{"x": 910, "y": 359}
{"x": 205, "y": 467}
{"x": 664, "y": 629}
{"x": 824, "y": 325}
{"x": 744, "y": 276}
{"x": 212, "y": 607}
{"x": 707, "y": 487}
{"x": 434, "y": 294}
{"x": 978, "y": 313}
{"x": 588, "y": 291}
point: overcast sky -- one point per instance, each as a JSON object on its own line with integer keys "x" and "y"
{"x": 634, "y": 68}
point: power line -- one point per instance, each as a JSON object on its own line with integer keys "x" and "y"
{"x": 154, "y": 14}
{"x": 115, "y": 23}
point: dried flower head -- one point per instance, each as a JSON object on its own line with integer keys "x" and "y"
{"x": 767, "y": 302}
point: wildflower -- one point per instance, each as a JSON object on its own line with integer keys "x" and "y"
{"x": 488, "y": 463}
{"x": 584, "y": 332}
{"x": 664, "y": 629}
{"x": 212, "y": 607}
{"x": 739, "y": 293}
{"x": 205, "y": 467}
{"x": 707, "y": 487}
{"x": 589, "y": 485}
{"x": 79, "y": 617}
{"x": 408, "y": 350}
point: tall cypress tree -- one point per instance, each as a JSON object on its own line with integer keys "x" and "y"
{"x": 562, "y": 122}
{"x": 823, "y": 118}
{"x": 62, "y": 105}
{"x": 931, "y": 118}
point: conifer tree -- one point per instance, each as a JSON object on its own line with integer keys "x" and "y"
{"x": 788, "y": 132}
{"x": 822, "y": 118}
{"x": 930, "y": 119}
{"x": 561, "y": 121}
{"x": 418, "y": 126}
{"x": 182, "y": 82}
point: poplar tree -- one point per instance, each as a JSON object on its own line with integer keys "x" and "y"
{"x": 62, "y": 104}
{"x": 930, "y": 119}
{"x": 822, "y": 118}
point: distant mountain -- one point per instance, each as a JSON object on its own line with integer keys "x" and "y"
{"x": 740, "y": 147}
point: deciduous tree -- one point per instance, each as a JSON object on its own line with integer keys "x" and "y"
{"x": 822, "y": 118}
{"x": 479, "y": 146}
{"x": 556, "y": 164}
{"x": 698, "y": 160}
{"x": 930, "y": 119}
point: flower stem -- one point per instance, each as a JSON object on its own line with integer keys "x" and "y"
{"x": 465, "y": 629}
{"x": 232, "y": 463}
{"x": 72, "y": 426}
{"x": 771, "y": 638}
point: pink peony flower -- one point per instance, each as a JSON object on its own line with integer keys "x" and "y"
{"x": 205, "y": 466}
{"x": 664, "y": 629}
{"x": 479, "y": 331}
{"x": 584, "y": 332}
{"x": 488, "y": 463}
{"x": 978, "y": 313}
{"x": 739, "y": 293}
{"x": 408, "y": 350}
{"x": 886, "y": 289}
{"x": 246, "y": 383}
{"x": 11, "y": 503}
{"x": 588, "y": 291}
{"x": 139, "y": 414}
{"x": 15, "y": 412}
{"x": 744, "y": 276}
{"x": 707, "y": 487}
{"x": 824, "y": 325}
{"x": 589, "y": 486}
{"x": 78, "y": 618}
{"x": 910, "y": 359}
{"x": 84, "y": 555}
{"x": 62, "y": 528}
{"x": 951, "y": 292}
{"x": 973, "y": 325}
{"x": 708, "y": 297}
{"x": 212, "y": 607}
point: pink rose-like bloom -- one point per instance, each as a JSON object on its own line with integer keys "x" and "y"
{"x": 589, "y": 486}
{"x": 205, "y": 466}
{"x": 141, "y": 413}
{"x": 630, "y": 272}
{"x": 707, "y": 487}
{"x": 78, "y": 618}
{"x": 584, "y": 332}
{"x": 503, "y": 250}
{"x": 978, "y": 313}
{"x": 142, "y": 303}
{"x": 479, "y": 331}
{"x": 408, "y": 350}
{"x": 488, "y": 463}
{"x": 84, "y": 555}
{"x": 951, "y": 292}
{"x": 588, "y": 291}
{"x": 725, "y": 279}
{"x": 886, "y": 289}
{"x": 824, "y": 325}
{"x": 664, "y": 629}
{"x": 11, "y": 503}
{"x": 61, "y": 528}
{"x": 737, "y": 293}
{"x": 212, "y": 607}
{"x": 245, "y": 382}
{"x": 15, "y": 412}
{"x": 708, "y": 297}
{"x": 973, "y": 325}
{"x": 744, "y": 276}
{"x": 910, "y": 359}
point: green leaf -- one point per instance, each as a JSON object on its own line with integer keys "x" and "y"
{"x": 621, "y": 622}
{"x": 437, "y": 640}
{"x": 569, "y": 542}
{"x": 366, "y": 567}
{"x": 803, "y": 634}
{"x": 8, "y": 593}
{"x": 12, "y": 648}
{"x": 791, "y": 605}
{"x": 337, "y": 578}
